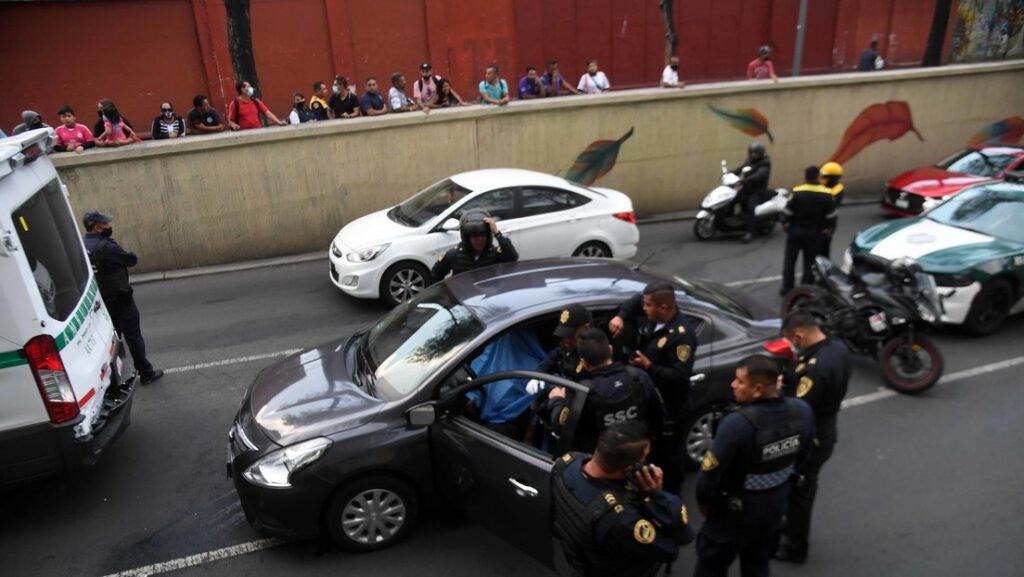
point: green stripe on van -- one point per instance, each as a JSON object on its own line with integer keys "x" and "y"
{"x": 74, "y": 324}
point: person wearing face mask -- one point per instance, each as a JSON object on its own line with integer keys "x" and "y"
{"x": 593, "y": 81}
{"x": 30, "y": 120}
{"x": 168, "y": 124}
{"x": 244, "y": 111}
{"x": 344, "y": 103}
{"x": 670, "y": 76}
{"x": 110, "y": 265}
{"x": 300, "y": 114}
{"x": 820, "y": 379}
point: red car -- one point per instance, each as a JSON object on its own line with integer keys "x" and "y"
{"x": 922, "y": 188}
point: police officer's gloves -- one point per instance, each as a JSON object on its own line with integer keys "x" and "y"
{"x": 535, "y": 386}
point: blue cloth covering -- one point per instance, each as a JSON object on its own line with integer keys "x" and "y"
{"x": 503, "y": 401}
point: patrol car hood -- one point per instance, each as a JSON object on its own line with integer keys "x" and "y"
{"x": 371, "y": 230}
{"x": 311, "y": 394}
{"x": 937, "y": 247}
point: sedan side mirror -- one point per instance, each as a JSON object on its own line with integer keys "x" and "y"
{"x": 421, "y": 415}
{"x": 450, "y": 225}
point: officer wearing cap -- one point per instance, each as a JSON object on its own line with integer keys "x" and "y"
{"x": 611, "y": 516}
{"x": 478, "y": 231}
{"x": 564, "y": 361}
{"x": 617, "y": 394}
{"x": 110, "y": 265}
{"x": 746, "y": 475}
{"x": 820, "y": 378}
{"x": 665, "y": 350}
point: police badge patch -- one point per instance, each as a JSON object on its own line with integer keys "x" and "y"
{"x": 710, "y": 462}
{"x": 563, "y": 416}
{"x": 683, "y": 515}
{"x": 661, "y": 342}
{"x": 804, "y": 386}
{"x": 564, "y": 318}
{"x": 644, "y": 532}
{"x": 684, "y": 352}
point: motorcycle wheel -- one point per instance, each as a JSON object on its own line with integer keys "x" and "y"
{"x": 809, "y": 299}
{"x": 704, "y": 228}
{"x": 909, "y": 367}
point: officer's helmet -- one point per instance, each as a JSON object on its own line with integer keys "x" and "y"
{"x": 755, "y": 151}
{"x": 473, "y": 223}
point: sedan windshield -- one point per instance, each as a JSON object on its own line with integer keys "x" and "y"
{"x": 995, "y": 210}
{"x": 428, "y": 203}
{"x": 417, "y": 337}
{"x": 978, "y": 163}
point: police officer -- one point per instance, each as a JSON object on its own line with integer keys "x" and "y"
{"x": 564, "y": 360}
{"x": 666, "y": 348}
{"x": 820, "y": 379}
{"x": 611, "y": 516}
{"x": 755, "y": 183}
{"x": 478, "y": 231}
{"x": 831, "y": 174}
{"x": 809, "y": 218}
{"x": 110, "y": 264}
{"x": 617, "y": 394}
{"x": 746, "y": 475}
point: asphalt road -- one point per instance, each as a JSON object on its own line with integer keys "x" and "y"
{"x": 918, "y": 486}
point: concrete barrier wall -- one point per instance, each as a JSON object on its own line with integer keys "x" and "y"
{"x": 258, "y": 194}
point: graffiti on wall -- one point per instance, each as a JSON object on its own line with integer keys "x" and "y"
{"x": 988, "y": 30}
{"x": 596, "y": 160}
{"x": 746, "y": 120}
{"x": 887, "y": 121}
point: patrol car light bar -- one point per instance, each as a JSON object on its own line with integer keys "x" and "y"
{"x": 54, "y": 386}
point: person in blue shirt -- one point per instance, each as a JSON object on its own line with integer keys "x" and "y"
{"x": 493, "y": 90}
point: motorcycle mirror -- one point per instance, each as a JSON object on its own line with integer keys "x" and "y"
{"x": 746, "y": 169}
{"x": 725, "y": 168}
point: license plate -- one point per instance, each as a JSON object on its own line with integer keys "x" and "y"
{"x": 902, "y": 203}
{"x": 877, "y": 322}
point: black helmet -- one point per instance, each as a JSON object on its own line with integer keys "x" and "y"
{"x": 756, "y": 150}
{"x": 473, "y": 223}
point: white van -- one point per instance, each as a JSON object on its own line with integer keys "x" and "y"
{"x": 65, "y": 381}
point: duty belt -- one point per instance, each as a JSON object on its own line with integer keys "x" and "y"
{"x": 766, "y": 481}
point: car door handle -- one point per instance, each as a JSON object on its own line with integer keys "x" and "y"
{"x": 96, "y": 306}
{"x": 698, "y": 378}
{"x": 523, "y": 490}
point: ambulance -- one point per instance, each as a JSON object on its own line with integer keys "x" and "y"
{"x": 66, "y": 382}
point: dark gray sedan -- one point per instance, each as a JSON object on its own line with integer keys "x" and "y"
{"x": 349, "y": 438}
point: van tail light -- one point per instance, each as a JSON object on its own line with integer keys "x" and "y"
{"x": 780, "y": 348}
{"x": 626, "y": 216}
{"x": 52, "y": 379}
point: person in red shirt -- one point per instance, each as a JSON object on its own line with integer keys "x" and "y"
{"x": 761, "y": 68}
{"x": 244, "y": 111}
{"x": 71, "y": 136}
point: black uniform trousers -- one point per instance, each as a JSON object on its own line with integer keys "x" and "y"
{"x": 752, "y": 535}
{"x": 801, "y": 497}
{"x": 804, "y": 240}
{"x": 125, "y": 316}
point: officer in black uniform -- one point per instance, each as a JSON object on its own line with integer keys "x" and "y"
{"x": 666, "y": 348}
{"x": 820, "y": 378}
{"x": 809, "y": 217}
{"x": 617, "y": 394}
{"x": 755, "y": 183}
{"x": 110, "y": 264}
{"x": 564, "y": 361}
{"x": 478, "y": 231}
{"x": 746, "y": 475}
{"x": 611, "y": 516}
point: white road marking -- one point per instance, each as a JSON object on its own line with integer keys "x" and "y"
{"x": 233, "y": 361}
{"x": 748, "y": 282}
{"x": 261, "y": 544}
{"x": 201, "y": 558}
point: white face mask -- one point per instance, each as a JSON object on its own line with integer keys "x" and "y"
{"x": 794, "y": 349}
{"x": 250, "y": 91}
{"x": 336, "y": 89}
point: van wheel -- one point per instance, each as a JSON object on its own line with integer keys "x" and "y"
{"x": 371, "y": 513}
{"x": 403, "y": 281}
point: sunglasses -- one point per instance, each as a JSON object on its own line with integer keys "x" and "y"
{"x": 165, "y": 109}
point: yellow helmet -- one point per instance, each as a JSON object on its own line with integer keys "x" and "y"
{"x": 832, "y": 168}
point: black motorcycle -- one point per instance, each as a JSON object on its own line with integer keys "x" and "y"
{"x": 881, "y": 309}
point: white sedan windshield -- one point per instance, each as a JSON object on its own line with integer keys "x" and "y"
{"x": 429, "y": 202}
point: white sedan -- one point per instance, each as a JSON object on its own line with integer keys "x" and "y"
{"x": 388, "y": 254}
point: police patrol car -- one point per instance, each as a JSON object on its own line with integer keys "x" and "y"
{"x": 973, "y": 244}
{"x": 65, "y": 382}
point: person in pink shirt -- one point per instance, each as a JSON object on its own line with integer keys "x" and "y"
{"x": 116, "y": 131}
{"x": 71, "y": 136}
{"x": 761, "y": 68}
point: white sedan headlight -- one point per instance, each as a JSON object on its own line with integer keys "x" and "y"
{"x": 335, "y": 250}
{"x": 275, "y": 469}
{"x": 367, "y": 254}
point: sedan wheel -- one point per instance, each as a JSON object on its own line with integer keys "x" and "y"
{"x": 593, "y": 250}
{"x": 403, "y": 281}
{"x": 699, "y": 435}
{"x": 371, "y": 514}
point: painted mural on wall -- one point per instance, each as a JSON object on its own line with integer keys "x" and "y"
{"x": 746, "y": 120}
{"x": 596, "y": 160}
{"x": 988, "y": 30}
{"x": 888, "y": 121}
{"x": 1006, "y": 131}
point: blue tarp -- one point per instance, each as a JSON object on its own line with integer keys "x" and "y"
{"x": 503, "y": 401}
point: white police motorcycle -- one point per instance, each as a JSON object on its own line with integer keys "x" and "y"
{"x": 721, "y": 211}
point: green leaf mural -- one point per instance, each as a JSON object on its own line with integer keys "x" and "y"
{"x": 746, "y": 120}
{"x": 596, "y": 160}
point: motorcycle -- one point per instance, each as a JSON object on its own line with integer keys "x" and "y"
{"x": 880, "y": 309}
{"x": 721, "y": 212}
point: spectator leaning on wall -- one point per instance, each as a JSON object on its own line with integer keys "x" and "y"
{"x": 529, "y": 85}
{"x": 398, "y": 101}
{"x": 168, "y": 124}
{"x": 344, "y": 103}
{"x": 493, "y": 90}
{"x": 300, "y": 114}
{"x": 593, "y": 80}
{"x": 554, "y": 82}
{"x": 71, "y": 136}
{"x": 203, "y": 119}
{"x": 244, "y": 111}
{"x": 670, "y": 76}
{"x": 372, "y": 102}
{"x": 318, "y": 102}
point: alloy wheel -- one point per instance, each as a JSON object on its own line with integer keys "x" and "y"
{"x": 373, "y": 516}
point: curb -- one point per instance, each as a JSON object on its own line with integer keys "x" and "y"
{"x": 312, "y": 256}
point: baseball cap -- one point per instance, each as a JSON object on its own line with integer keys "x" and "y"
{"x": 573, "y": 317}
{"x": 425, "y": 66}
{"x": 92, "y": 217}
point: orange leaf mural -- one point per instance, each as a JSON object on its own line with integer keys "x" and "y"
{"x": 876, "y": 122}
